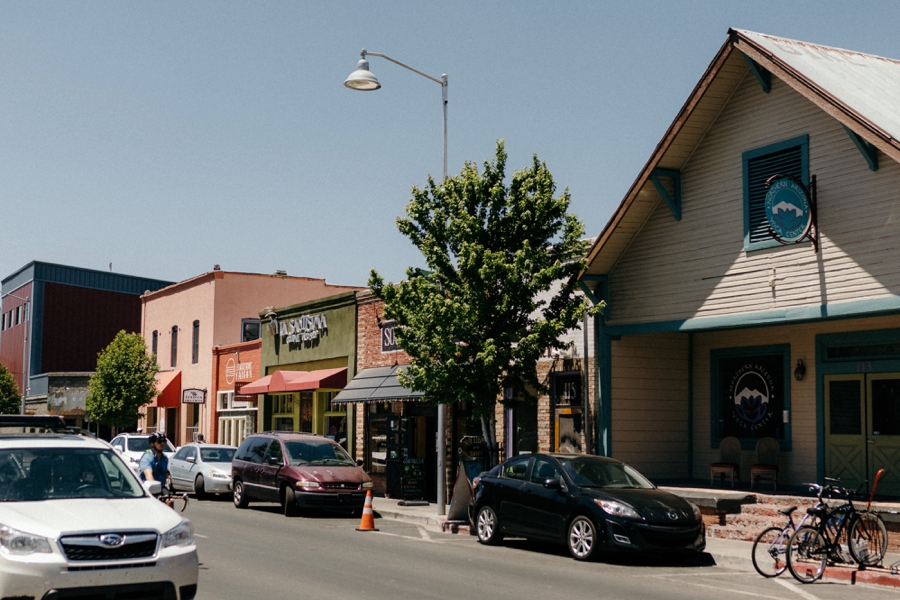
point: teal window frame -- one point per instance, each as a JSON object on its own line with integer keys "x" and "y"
{"x": 746, "y": 157}
{"x": 715, "y": 387}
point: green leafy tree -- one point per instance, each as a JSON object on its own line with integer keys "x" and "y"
{"x": 124, "y": 382}
{"x": 10, "y": 399}
{"x": 475, "y": 324}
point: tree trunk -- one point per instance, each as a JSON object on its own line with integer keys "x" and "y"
{"x": 488, "y": 431}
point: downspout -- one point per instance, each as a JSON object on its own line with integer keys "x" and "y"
{"x": 585, "y": 386}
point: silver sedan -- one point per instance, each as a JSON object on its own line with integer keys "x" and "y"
{"x": 202, "y": 469}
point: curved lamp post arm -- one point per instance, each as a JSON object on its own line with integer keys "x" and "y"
{"x": 363, "y": 79}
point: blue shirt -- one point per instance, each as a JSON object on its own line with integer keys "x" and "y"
{"x": 158, "y": 465}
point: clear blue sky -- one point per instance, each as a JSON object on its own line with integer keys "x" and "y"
{"x": 166, "y": 137}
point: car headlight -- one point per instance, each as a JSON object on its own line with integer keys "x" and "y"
{"x": 307, "y": 484}
{"x": 617, "y": 509}
{"x": 697, "y": 514}
{"x": 219, "y": 475}
{"x": 368, "y": 484}
{"x": 13, "y": 541}
{"x": 180, "y": 535}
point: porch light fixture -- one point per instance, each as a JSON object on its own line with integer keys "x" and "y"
{"x": 800, "y": 370}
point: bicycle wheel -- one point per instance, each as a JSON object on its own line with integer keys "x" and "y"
{"x": 770, "y": 551}
{"x": 807, "y": 554}
{"x": 868, "y": 539}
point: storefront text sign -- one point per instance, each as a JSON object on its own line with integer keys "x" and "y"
{"x": 388, "y": 339}
{"x": 235, "y": 371}
{"x": 302, "y": 329}
{"x": 193, "y": 396}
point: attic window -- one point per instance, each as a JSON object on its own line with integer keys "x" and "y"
{"x": 790, "y": 157}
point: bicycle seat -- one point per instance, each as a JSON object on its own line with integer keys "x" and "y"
{"x": 787, "y": 511}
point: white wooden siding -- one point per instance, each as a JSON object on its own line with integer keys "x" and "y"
{"x": 697, "y": 267}
{"x": 650, "y": 404}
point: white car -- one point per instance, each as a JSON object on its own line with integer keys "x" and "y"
{"x": 132, "y": 447}
{"x": 75, "y": 521}
{"x": 201, "y": 468}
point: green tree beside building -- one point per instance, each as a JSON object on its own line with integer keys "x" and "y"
{"x": 125, "y": 380}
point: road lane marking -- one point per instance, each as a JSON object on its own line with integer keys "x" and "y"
{"x": 796, "y": 589}
{"x": 424, "y": 534}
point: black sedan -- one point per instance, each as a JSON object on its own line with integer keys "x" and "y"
{"x": 590, "y": 503}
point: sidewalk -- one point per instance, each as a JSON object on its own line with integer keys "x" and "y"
{"x": 727, "y": 553}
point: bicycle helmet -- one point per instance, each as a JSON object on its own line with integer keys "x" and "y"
{"x": 157, "y": 436}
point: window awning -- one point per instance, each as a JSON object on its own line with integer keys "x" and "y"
{"x": 169, "y": 385}
{"x": 378, "y": 384}
{"x": 295, "y": 381}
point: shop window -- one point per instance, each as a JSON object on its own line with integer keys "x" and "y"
{"x": 335, "y": 418}
{"x": 790, "y": 157}
{"x": 750, "y": 391}
{"x": 224, "y": 400}
{"x": 195, "y": 343}
{"x": 174, "y": 353}
{"x": 250, "y": 330}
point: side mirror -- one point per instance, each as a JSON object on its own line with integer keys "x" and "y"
{"x": 154, "y": 488}
{"x": 191, "y": 459}
{"x": 359, "y": 462}
{"x": 274, "y": 460}
{"x": 552, "y": 484}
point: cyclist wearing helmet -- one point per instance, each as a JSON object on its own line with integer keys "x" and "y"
{"x": 155, "y": 464}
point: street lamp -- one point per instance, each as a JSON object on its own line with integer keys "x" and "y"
{"x": 25, "y": 317}
{"x": 364, "y": 80}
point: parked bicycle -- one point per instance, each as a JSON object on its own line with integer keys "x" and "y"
{"x": 843, "y": 534}
{"x": 770, "y": 548}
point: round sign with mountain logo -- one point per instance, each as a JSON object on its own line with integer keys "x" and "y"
{"x": 788, "y": 210}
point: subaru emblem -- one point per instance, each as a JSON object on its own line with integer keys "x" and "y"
{"x": 673, "y": 515}
{"x": 112, "y": 539}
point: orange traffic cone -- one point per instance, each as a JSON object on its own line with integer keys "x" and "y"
{"x": 367, "y": 523}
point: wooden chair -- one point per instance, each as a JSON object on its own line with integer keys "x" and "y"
{"x": 729, "y": 461}
{"x": 766, "y": 465}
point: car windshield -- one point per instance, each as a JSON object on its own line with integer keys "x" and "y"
{"x": 318, "y": 452}
{"x": 216, "y": 454}
{"x": 142, "y": 444}
{"x": 589, "y": 472}
{"x": 32, "y": 474}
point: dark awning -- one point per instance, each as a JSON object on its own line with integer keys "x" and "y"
{"x": 378, "y": 384}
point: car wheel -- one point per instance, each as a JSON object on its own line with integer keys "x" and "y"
{"x": 488, "y": 526}
{"x": 199, "y": 487}
{"x": 239, "y": 497}
{"x": 582, "y": 539}
{"x": 290, "y": 502}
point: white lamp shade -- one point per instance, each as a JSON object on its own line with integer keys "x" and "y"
{"x": 362, "y": 78}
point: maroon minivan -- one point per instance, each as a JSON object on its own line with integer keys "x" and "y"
{"x": 299, "y": 470}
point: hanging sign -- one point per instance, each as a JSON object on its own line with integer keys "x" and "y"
{"x": 791, "y": 210}
{"x": 193, "y": 396}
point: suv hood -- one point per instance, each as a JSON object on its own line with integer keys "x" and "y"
{"x": 326, "y": 474}
{"x": 51, "y": 518}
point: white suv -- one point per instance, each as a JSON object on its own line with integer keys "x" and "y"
{"x": 133, "y": 445}
{"x": 75, "y": 521}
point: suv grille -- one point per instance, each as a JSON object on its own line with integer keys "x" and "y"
{"x": 110, "y": 546}
{"x": 339, "y": 486}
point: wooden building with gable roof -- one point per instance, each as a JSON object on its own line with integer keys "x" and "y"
{"x": 715, "y": 328}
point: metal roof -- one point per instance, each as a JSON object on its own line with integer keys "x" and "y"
{"x": 377, "y": 384}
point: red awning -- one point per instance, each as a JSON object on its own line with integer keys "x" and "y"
{"x": 295, "y": 381}
{"x": 168, "y": 383}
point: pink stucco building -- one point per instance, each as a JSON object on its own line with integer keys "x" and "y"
{"x": 183, "y": 322}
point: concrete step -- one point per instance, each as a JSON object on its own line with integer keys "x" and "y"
{"x": 731, "y": 532}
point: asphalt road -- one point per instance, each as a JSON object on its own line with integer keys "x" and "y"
{"x": 259, "y": 554}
